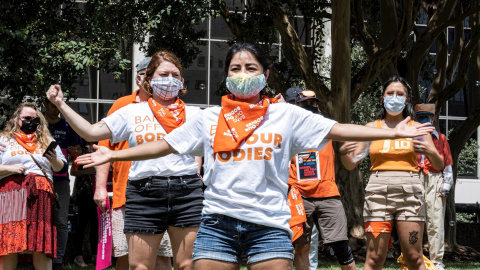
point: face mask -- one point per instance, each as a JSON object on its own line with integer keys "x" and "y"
{"x": 310, "y": 108}
{"x": 394, "y": 104}
{"x": 424, "y": 119}
{"x": 29, "y": 127}
{"x": 245, "y": 86}
{"x": 166, "y": 87}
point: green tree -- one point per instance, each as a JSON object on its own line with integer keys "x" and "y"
{"x": 384, "y": 31}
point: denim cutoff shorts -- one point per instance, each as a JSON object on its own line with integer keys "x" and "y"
{"x": 154, "y": 203}
{"x": 226, "y": 239}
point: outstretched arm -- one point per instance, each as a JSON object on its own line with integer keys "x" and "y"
{"x": 144, "y": 151}
{"x": 351, "y": 132}
{"x": 89, "y": 132}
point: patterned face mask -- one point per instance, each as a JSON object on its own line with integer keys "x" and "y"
{"x": 166, "y": 87}
{"x": 244, "y": 86}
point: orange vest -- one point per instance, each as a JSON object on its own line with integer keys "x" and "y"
{"x": 326, "y": 186}
{"x": 393, "y": 155}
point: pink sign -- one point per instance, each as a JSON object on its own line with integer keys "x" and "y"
{"x": 104, "y": 247}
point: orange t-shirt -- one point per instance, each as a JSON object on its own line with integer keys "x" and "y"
{"x": 313, "y": 187}
{"x": 120, "y": 168}
{"x": 393, "y": 155}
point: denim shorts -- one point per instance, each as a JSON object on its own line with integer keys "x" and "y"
{"x": 154, "y": 203}
{"x": 226, "y": 239}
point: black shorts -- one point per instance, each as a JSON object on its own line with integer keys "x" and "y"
{"x": 154, "y": 203}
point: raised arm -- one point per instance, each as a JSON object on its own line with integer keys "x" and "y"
{"x": 352, "y": 132}
{"x": 89, "y": 132}
{"x": 143, "y": 151}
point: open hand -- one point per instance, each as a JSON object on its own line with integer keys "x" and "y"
{"x": 403, "y": 130}
{"x": 101, "y": 156}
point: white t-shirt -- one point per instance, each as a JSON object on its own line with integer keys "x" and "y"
{"x": 16, "y": 154}
{"x": 136, "y": 124}
{"x": 250, "y": 183}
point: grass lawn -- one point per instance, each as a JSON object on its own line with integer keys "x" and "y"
{"x": 389, "y": 265}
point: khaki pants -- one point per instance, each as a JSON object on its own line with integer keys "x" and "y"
{"x": 433, "y": 183}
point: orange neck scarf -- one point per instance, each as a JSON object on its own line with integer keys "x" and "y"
{"x": 27, "y": 141}
{"x": 171, "y": 117}
{"x": 237, "y": 120}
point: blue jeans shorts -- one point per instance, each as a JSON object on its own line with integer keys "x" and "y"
{"x": 226, "y": 239}
{"x": 154, "y": 203}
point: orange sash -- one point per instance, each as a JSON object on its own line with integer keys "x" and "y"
{"x": 171, "y": 117}
{"x": 237, "y": 120}
{"x": 295, "y": 202}
{"x": 27, "y": 141}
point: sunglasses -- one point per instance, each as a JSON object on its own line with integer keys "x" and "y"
{"x": 35, "y": 120}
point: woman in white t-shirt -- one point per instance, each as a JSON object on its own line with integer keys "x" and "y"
{"x": 163, "y": 193}
{"x": 27, "y": 201}
{"x": 247, "y": 145}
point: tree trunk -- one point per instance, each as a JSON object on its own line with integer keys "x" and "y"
{"x": 349, "y": 183}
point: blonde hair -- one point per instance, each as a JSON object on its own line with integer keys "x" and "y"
{"x": 42, "y": 134}
{"x": 157, "y": 59}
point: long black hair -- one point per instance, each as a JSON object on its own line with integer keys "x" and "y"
{"x": 408, "y": 110}
{"x": 255, "y": 50}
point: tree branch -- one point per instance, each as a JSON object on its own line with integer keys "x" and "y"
{"x": 381, "y": 58}
{"x": 360, "y": 30}
{"x": 293, "y": 43}
{"x": 461, "y": 78}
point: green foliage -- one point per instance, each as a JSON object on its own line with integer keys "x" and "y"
{"x": 467, "y": 160}
{"x": 48, "y": 42}
{"x": 466, "y": 217}
{"x": 43, "y": 43}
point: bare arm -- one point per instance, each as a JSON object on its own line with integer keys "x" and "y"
{"x": 144, "y": 151}
{"x": 101, "y": 195}
{"x": 199, "y": 161}
{"x": 351, "y": 132}
{"x": 12, "y": 169}
{"x": 347, "y": 152}
{"x": 89, "y": 132}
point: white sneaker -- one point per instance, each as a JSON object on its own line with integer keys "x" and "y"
{"x": 440, "y": 266}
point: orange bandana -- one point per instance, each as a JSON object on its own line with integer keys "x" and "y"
{"x": 26, "y": 140}
{"x": 237, "y": 120}
{"x": 171, "y": 117}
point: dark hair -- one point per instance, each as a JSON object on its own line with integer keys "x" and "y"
{"x": 255, "y": 50}
{"x": 408, "y": 110}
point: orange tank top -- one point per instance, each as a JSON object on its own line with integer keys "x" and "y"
{"x": 393, "y": 155}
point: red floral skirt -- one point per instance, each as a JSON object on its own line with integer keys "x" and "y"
{"x": 27, "y": 215}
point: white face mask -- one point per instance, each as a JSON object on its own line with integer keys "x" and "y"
{"x": 394, "y": 104}
{"x": 166, "y": 87}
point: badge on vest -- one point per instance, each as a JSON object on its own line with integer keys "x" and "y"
{"x": 308, "y": 167}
